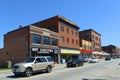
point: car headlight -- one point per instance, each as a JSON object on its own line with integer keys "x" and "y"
{"x": 22, "y": 67}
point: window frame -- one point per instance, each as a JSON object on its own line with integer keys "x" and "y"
{"x": 36, "y": 39}
{"x": 46, "y": 40}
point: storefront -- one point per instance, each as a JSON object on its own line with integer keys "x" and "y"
{"x": 68, "y": 54}
{"x": 41, "y": 51}
{"x": 85, "y": 53}
{"x": 98, "y": 54}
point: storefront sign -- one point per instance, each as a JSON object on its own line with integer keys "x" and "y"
{"x": 68, "y": 51}
{"x": 86, "y": 51}
{"x": 45, "y": 50}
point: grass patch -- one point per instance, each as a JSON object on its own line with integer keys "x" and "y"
{"x": 4, "y": 68}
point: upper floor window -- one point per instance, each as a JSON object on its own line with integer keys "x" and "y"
{"x": 76, "y": 33}
{"x": 93, "y": 36}
{"x": 72, "y": 32}
{"x": 55, "y": 28}
{"x": 62, "y": 39}
{"x": 62, "y": 28}
{"x": 46, "y": 40}
{"x": 54, "y": 42}
{"x": 67, "y": 30}
{"x": 76, "y": 42}
{"x": 67, "y": 40}
{"x": 72, "y": 41}
{"x": 36, "y": 39}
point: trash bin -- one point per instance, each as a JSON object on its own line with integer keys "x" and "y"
{"x": 9, "y": 64}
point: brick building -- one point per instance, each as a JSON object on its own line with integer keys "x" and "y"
{"x": 57, "y": 37}
{"x": 29, "y": 41}
{"x": 95, "y": 38}
{"x": 112, "y": 50}
{"x": 68, "y": 35}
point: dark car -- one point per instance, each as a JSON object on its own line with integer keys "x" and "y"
{"x": 108, "y": 58}
{"x": 75, "y": 63}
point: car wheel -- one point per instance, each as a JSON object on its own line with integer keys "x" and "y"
{"x": 76, "y": 65}
{"x": 28, "y": 72}
{"x": 49, "y": 69}
{"x": 81, "y": 64}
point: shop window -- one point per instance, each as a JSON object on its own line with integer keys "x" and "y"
{"x": 54, "y": 42}
{"x": 62, "y": 39}
{"x": 62, "y": 28}
{"x": 36, "y": 39}
{"x": 46, "y": 40}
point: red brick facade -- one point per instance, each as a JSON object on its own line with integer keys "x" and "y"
{"x": 92, "y": 36}
{"x": 55, "y": 24}
{"x": 15, "y": 46}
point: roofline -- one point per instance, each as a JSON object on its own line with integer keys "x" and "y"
{"x": 68, "y": 21}
{"x": 91, "y": 30}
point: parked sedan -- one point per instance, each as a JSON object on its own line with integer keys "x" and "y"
{"x": 93, "y": 60}
{"x": 75, "y": 63}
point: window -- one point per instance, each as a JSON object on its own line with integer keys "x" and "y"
{"x": 93, "y": 36}
{"x": 46, "y": 40}
{"x": 43, "y": 60}
{"x": 54, "y": 42}
{"x": 72, "y": 32}
{"x": 76, "y": 33}
{"x": 76, "y": 42}
{"x": 62, "y": 39}
{"x": 67, "y": 30}
{"x": 72, "y": 41}
{"x": 84, "y": 47}
{"x": 62, "y": 28}
{"x": 36, "y": 39}
{"x": 54, "y": 28}
{"x": 67, "y": 40}
{"x": 50, "y": 59}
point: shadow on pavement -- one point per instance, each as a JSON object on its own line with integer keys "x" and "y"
{"x": 93, "y": 79}
{"x": 23, "y": 76}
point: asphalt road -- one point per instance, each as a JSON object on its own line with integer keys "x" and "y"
{"x": 104, "y": 70}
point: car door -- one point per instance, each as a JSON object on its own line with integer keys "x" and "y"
{"x": 44, "y": 63}
{"x": 37, "y": 64}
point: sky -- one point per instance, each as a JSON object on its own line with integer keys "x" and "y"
{"x": 103, "y": 16}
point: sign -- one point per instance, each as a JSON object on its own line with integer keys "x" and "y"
{"x": 45, "y": 50}
{"x": 68, "y": 51}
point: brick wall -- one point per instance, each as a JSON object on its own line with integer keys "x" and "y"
{"x": 15, "y": 46}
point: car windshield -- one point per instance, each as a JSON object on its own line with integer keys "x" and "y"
{"x": 29, "y": 60}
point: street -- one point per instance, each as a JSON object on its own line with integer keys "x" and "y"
{"x": 104, "y": 70}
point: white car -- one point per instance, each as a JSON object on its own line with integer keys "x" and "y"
{"x": 93, "y": 60}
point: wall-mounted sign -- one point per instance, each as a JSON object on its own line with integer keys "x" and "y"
{"x": 45, "y": 50}
{"x": 69, "y": 51}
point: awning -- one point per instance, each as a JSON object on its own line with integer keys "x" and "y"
{"x": 105, "y": 53}
{"x": 100, "y": 53}
{"x": 86, "y": 51}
